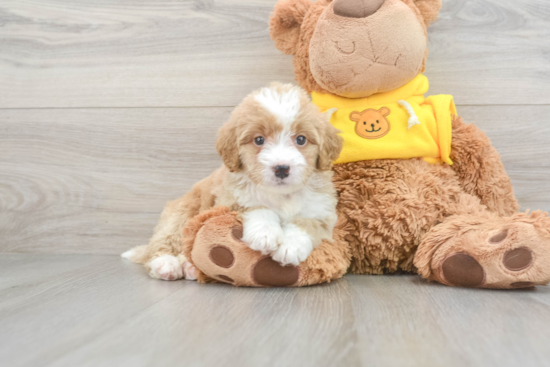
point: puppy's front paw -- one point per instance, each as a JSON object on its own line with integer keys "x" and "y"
{"x": 166, "y": 267}
{"x": 262, "y": 231}
{"x": 296, "y": 247}
{"x": 265, "y": 238}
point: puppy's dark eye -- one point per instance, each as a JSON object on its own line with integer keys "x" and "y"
{"x": 259, "y": 141}
{"x": 301, "y": 140}
{"x": 364, "y": 122}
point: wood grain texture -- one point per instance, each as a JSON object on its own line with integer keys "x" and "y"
{"x": 50, "y": 305}
{"x": 491, "y": 51}
{"x": 409, "y": 322}
{"x": 149, "y": 53}
{"x": 109, "y": 108}
{"x": 95, "y": 180}
{"x": 89, "y": 310}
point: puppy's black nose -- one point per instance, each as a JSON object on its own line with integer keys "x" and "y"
{"x": 282, "y": 171}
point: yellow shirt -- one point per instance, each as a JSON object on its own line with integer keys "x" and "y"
{"x": 400, "y": 124}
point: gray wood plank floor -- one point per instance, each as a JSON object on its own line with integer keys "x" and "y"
{"x": 109, "y": 108}
{"x": 92, "y": 310}
{"x": 145, "y": 53}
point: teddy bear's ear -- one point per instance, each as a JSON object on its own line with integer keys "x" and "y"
{"x": 285, "y": 22}
{"x": 429, "y": 9}
{"x": 384, "y": 111}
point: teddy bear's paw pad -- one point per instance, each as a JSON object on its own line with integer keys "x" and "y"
{"x": 222, "y": 256}
{"x": 518, "y": 259}
{"x": 225, "y": 278}
{"x": 166, "y": 267}
{"x": 498, "y": 237}
{"x": 237, "y": 232}
{"x": 462, "y": 270}
{"x": 268, "y": 272}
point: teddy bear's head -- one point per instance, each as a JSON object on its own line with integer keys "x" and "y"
{"x": 354, "y": 48}
{"x": 371, "y": 124}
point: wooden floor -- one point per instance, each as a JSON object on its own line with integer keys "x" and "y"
{"x": 97, "y": 310}
{"x": 109, "y": 108}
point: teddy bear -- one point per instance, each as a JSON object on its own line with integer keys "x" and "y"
{"x": 419, "y": 190}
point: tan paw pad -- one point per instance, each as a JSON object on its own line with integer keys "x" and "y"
{"x": 225, "y": 278}
{"x": 462, "y": 270}
{"x": 268, "y": 272}
{"x": 222, "y": 256}
{"x": 518, "y": 259}
{"x": 499, "y": 237}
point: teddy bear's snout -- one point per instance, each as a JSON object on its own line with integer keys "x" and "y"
{"x": 357, "y": 8}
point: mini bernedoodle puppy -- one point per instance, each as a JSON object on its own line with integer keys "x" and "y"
{"x": 277, "y": 150}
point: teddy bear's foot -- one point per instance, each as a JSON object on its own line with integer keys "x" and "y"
{"x": 214, "y": 246}
{"x": 221, "y": 255}
{"x": 488, "y": 252}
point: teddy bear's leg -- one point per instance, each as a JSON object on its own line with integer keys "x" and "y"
{"x": 213, "y": 243}
{"x": 480, "y": 170}
{"x": 477, "y": 248}
{"x": 385, "y": 207}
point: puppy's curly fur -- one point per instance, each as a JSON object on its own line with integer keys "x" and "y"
{"x": 285, "y": 214}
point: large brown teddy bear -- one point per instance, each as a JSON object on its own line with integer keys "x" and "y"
{"x": 419, "y": 190}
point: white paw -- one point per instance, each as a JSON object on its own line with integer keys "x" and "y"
{"x": 262, "y": 231}
{"x": 296, "y": 247}
{"x": 189, "y": 271}
{"x": 166, "y": 267}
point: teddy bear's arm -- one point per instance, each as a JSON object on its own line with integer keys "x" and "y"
{"x": 480, "y": 170}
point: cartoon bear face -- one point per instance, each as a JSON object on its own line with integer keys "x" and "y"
{"x": 371, "y": 124}
{"x": 354, "y": 48}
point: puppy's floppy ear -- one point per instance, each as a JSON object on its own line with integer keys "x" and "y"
{"x": 331, "y": 145}
{"x": 228, "y": 146}
{"x": 285, "y": 22}
{"x": 429, "y": 9}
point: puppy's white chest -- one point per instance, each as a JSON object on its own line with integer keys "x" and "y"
{"x": 306, "y": 204}
{"x": 289, "y": 207}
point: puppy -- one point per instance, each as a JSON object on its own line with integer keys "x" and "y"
{"x": 277, "y": 150}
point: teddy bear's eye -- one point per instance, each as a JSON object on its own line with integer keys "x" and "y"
{"x": 259, "y": 140}
{"x": 377, "y": 121}
{"x": 364, "y": 122}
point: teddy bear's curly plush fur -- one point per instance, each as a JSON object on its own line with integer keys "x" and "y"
{"x": 456, "y": 224}
{"x": 408, "y": 214}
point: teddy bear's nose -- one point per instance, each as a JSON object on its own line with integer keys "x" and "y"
{"x": 357, "y": 8}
